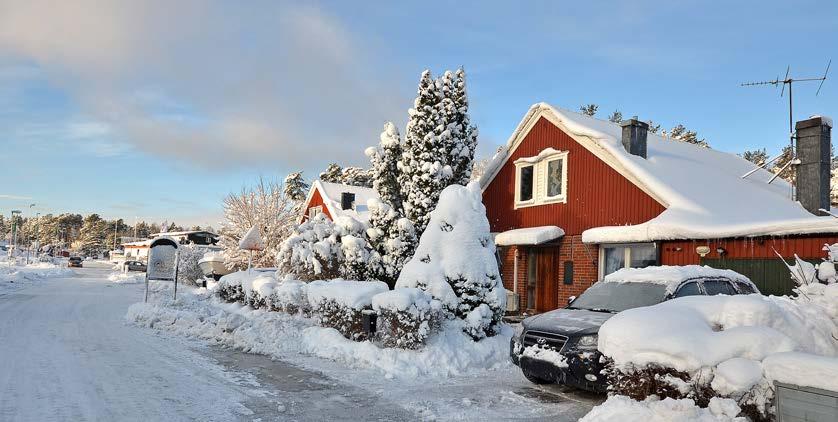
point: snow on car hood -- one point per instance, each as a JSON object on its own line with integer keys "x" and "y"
{"x": 568, "y": 321}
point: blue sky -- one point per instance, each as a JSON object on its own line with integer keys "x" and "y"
{"x": 158, "y": 109}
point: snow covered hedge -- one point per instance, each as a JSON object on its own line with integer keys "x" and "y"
{"x": 339, "y": 304}
{"x": 406, "y": 317}
{"x": 455, "y": 262}
{"x": 702, "y": 347}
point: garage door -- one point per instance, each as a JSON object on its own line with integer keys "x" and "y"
{"x": 770, "y": 275}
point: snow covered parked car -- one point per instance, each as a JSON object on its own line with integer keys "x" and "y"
{"x": 561, "y": 346}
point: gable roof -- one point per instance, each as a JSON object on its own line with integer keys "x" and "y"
{"x": 702, "y": 189}
{"x": 331, "y": 192}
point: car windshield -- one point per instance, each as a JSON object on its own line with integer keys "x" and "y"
{"x": 617, "y": 297}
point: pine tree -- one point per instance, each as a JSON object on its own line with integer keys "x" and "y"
{"x": 393, "y": 239}
{"x": 681, "y": 133}
{"x": 356, "y": 176}
{"x": 653, "y": 127}
{"x": 616, "y": 117}
{"x": 4, "y": 227}
{"x": 756, "y": 156}
{"x": 332, "y": 174}
{"x": 785, "y": 156}
{"x": 296, "y": 188}
{"x": 464, "y": 134}
{"x": 384, "y": 159}
{"x": 588, "y": 109}
{"x": 93, "y": 235}
{"x": 421, "y": 173}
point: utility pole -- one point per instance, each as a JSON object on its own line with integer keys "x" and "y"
{"x": 13, "y": 253}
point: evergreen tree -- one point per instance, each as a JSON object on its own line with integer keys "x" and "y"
{"x": 756, "y": 156}
{"x": 4, "y": 227}
{"x": 384, "y": 159}
{"x": 332, "y": 174}
{"x": 392, "y": 237}
{"x": 785, "y": 156}
{"x": 92, "y": 235}
{"x": 296, "y": 188}
{"x": 588, "y": 109}
{"x": 464, "y": 134}
{"x": 356, "y": 176}
{"x": 681, "y": 133}
{"x": 421, "y": 173}
{"x": 616, "y": 117}
{"x": 653, "y": 127}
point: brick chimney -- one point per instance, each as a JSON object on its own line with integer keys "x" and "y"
{"x": 634, "y": 136}
{"x": 814, "y": 151}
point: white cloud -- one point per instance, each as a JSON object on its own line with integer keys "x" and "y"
{"x": 211, "y": 83}
{"x": 15, "y": 197}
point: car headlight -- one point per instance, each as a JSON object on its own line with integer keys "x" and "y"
{"x": 587, "y": 342}
{"x": 519, "y": 330}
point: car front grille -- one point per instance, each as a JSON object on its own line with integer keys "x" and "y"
{"x": 554, "y": 341}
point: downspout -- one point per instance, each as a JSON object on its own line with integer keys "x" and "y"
{"x": 515, "y": 273}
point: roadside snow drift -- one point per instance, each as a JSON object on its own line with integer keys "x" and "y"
{"x": 16, "y": 276}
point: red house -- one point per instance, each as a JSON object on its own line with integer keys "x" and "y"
{"x": 572, "y": 198}
{"x": 336, "y": 199}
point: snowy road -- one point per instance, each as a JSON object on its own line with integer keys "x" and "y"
{"x": 67, "y": 354}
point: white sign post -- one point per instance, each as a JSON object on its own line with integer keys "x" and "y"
{"x": 162, "y": 262}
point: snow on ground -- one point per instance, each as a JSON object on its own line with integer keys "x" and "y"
{"x": 13, "y": 277}
{"x": 448, "y": 379}
{"x": 624, "y": 409}
{"x": 127, "y": 278}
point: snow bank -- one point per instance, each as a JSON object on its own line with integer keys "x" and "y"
{"x": 624, "y": 409}
{"x": 700, "y": 331}
{"x": 672, "y": 275}
{"x": 198, "y": 313}
{"x": 16, "y": 276}
{"x": 126, "y": 278}
{"x": 802, "y": 369}
{"x": 528, "y": 236}
{"x": 736, "y": 375}
{"x": 403, "y": 299}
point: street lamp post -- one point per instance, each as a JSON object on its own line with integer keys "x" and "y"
{"x": 13, "y": 252}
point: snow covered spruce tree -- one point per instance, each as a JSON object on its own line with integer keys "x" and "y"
{"x": 92, "y": 235}
{"x": 455, "y": 262}
{"x": 264, "y": 205}
{"x": 393, "y": 239}
{"x": 385, "y": 166}
{"x": 463, "y": 135}
{"x": 295, "y": 187}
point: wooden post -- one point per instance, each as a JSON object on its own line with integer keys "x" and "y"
{"x": 177, "y": 266}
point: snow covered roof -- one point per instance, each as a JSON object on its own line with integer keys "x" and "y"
{"x": 702, "y": 189}
{"x": 331, "y": 193}
{"x": 528, "y": 236}
{"x": 182, "y": 233}
{"x": 139, "y": 243}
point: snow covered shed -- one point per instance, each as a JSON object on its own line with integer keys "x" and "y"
{"x": 336, "y": 199}
{"x": 622, "y": 197}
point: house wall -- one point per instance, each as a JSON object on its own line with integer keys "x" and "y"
{"x": 597, "y": 195}
{"x": 316, "y": 200}
{"x": 569, "y": 248}
{"x": 682, "y": 252}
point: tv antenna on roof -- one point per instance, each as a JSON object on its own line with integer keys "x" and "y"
{"x": 790, "y": 82}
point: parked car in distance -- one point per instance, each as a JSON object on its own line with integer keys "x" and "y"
{"x": 572, "y": 332}
{"x": 75, "y": 261}
{"x": 134, "y": 266}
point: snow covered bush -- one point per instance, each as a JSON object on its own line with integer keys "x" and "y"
{"x": 357, "y": 258}
{"x": 406, "y": 317}
{"x": 312, "y": 252}
{"x": 229, "y": 287}
{"x": 339, "y": 304}
{"x": 188, "y": 270}
{"x": 289, "y": 296}
{"x": 258, "y": 290}
{"x": 702, "y": 347}
{"x": 455, "y": 262}
{"x": 392, "y": 238}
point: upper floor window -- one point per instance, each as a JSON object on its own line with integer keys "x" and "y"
{"x": 313, "y": 211}
{"x": 541, "y": 179}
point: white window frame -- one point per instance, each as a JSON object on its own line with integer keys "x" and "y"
{"x": 540, "y": 165}
{"x": 626, "y": 257}
{"x": 313, "y": 211}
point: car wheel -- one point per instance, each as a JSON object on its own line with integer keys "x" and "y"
{"x": 535, "y": 380}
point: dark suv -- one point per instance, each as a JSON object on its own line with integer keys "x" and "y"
{"x": 560, "y": 346}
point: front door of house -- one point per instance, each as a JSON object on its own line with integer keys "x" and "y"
{"x": 547, "y": 278}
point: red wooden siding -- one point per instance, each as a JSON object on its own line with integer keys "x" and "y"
{"x": 597, "y": 194}
{"x": 682, "y": 252}
{"x": 316, "y": 199}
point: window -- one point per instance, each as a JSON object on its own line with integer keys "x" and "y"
{"x": 744, "y": 288}
{"x": 568, "y": 272}
{"x": 615, "y": 257}
{"x": 718, "y": 287}
{"x": 555, "y": 178}
{"x": 531, "y": 281}
{"x": 313, "y": 211}
{"x": 688, "y": 289}
{"x": 525, "y": 183}
{"x": 541, "y": 179}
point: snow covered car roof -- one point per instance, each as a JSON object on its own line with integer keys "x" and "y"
{"x": 702, "y": 189}
{"x": 672, "y": 275}
{"x": 331, "y": 193}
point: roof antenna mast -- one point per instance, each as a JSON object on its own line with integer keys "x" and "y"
{"x": 792, "y": 136}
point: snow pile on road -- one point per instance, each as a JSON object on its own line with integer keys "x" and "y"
{"x": 126, "y": 277}
{"x": 12, "y": 277}
{"x": 199, "y": 313}
{"x": 624, "y": 409}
